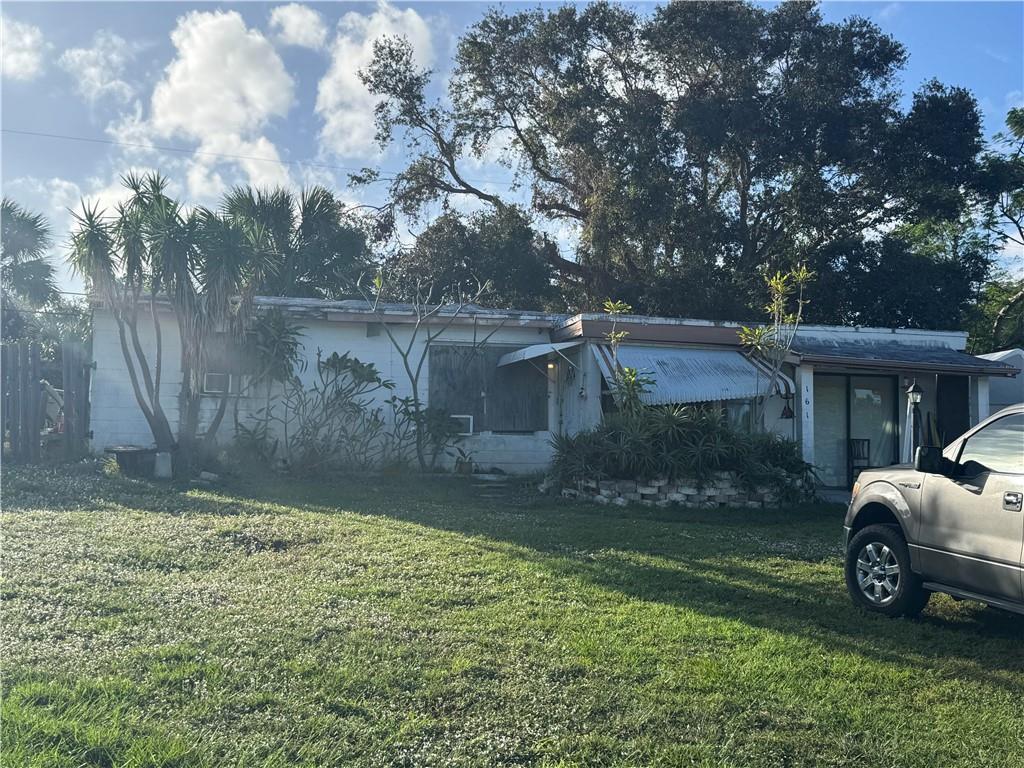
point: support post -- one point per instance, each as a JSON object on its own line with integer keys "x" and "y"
{"x": 979, "y": 399}
{"x": 805, "y": 410}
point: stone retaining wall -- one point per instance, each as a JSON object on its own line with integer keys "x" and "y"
{"x": 724, "y": 490}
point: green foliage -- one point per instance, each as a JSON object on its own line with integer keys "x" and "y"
{"x": 922, "y": 276}
{"x": 25, "y": 274}
{"x": 675, "y": 139}
{"x": 628, "y": 388}
{"x": 317, "y": 246}
{"x": 772, "y": 341}
{"x": 327, "y": 425}
{"x": 499, "y": 248}
{"x": 57, "y": 321}
{"x": 275, "y": 340}
{"x": 997, "y": 321}
{"x": 680, "y": 443}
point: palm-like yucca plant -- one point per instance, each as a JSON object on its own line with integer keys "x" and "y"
{"x": 152, "y": 255}
{"x": 689, "y": 442}
{"x": 27, "y": 278}
{"x": 111, "y": 253}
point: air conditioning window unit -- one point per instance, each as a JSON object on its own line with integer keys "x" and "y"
{"x": 216, "y": 383}
{"x": 465, "y": 422}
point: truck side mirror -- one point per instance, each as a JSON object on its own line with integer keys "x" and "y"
{"x": 928, "y": 458}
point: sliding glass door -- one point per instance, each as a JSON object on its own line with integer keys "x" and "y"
{"x": 830, "y": 429}
{"x": 855, "y": 425}
{"x": 873, "y": 419}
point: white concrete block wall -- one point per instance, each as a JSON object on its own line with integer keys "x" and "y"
{"x": 115, "y": 417}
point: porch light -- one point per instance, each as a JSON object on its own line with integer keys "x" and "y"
{"x": 551, "y": 366}
{"x": 914, "y": 393}
{"x": 787, "y": 408}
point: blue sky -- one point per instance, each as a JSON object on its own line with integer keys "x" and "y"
{"x": 158, "y": 74}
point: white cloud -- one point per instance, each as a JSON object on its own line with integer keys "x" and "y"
{"x": 225, "y": 78}
{"x": 888, "y": 12}
{"x": 23, "y": 48}
{"x": 224, "y": 85}
{"x": 342, "y": 102}
{"x": 98, "y": 70}
{"x": 995, "y": 55}
{"x": 296, "y": 24}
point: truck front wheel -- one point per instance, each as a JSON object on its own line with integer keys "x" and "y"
{"x": 878, "y": 574}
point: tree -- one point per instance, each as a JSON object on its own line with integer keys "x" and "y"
{"x": 772, "y": 341}
{"x": 26, "y": 276}
{"x": 924, "y": 275}
{"x": 695, "y": 147}
{"x": 1001, "y": 187}
{"x": 153, "y": 255}
{"x": 434, "y": 310}
{"x": 113, "y": 256}
{"x": 997, "y": 321}
{"x": 319, "y": 247}
{"x": 495, "y": 247}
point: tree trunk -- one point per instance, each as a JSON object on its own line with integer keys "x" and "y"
{"x": 163, "y": 436}
{"x": 1013, "y": 301}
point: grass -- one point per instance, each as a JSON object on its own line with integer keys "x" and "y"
{"x": 408, "y": 623}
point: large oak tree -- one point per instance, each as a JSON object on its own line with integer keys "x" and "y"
{"x": 692, "y": 147}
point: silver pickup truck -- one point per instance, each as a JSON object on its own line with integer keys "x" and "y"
{"x": 951, "y": 523}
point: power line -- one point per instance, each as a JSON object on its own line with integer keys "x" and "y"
{"x": 225, "y": 155}
{"x": 183, "y": 150}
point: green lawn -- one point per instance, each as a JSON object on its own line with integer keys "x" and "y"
{"x": 395, "y": 622}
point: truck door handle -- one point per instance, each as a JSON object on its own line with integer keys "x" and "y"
{"x": 1012, "y": 500}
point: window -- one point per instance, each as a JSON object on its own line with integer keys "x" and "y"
{"x": 467, "y": 381}
{"x": 228, "y": 365}
{"x": 999, "y": 447}
{"x": 739, "y": 414}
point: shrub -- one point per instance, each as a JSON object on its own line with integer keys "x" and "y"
{"x": 330, "y": 424}
{"x": 677, "y": 443}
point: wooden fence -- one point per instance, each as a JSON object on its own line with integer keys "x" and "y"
{"x": 34, "y": 412}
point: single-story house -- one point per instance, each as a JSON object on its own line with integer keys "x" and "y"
{"x": 841, "y": 394}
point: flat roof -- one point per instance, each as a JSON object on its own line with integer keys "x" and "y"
{"x": 865, "y": 353}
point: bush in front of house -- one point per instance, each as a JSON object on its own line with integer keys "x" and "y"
{"x": 335, "y": 422}
{"x": 680, "y": 443}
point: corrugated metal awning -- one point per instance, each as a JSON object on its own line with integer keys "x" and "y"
{"x": 534, "y": 351}
{"x": 687, "y": 375}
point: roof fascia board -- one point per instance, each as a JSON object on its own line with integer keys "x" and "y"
{"x": 900, "y": 365}
{"x": 409, "y": 318}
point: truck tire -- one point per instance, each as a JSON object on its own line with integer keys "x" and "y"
{"x": 878, "y": 574}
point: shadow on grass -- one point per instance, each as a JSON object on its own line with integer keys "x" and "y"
{"x": 745, "y": 565}
{"x": 772, "y": 570}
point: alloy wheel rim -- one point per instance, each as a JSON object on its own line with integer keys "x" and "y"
{"x": 878, "y": 573}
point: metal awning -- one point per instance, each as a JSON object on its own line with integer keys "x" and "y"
{"x": 535, "y": 351}
{"x": 689, "y": 375}
{"x": 890, "y": 356}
